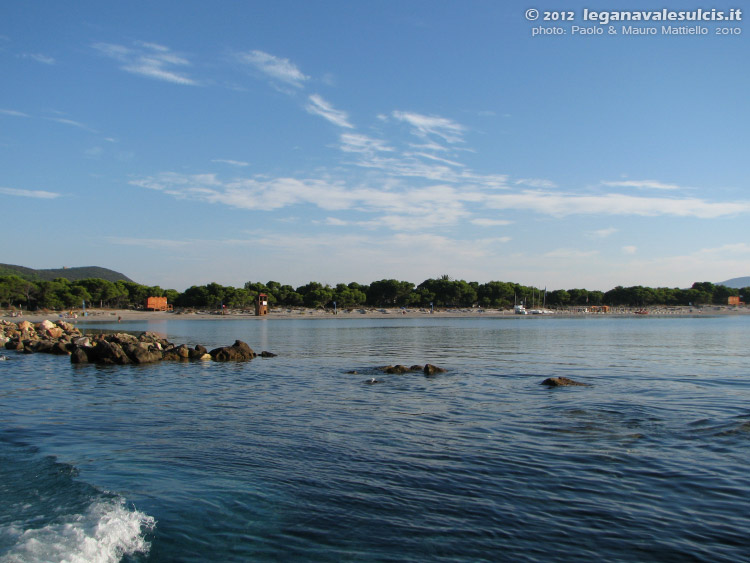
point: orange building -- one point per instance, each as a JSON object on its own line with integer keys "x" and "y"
{"x": 734, "y": 300}
{"x": 158, "y": 304}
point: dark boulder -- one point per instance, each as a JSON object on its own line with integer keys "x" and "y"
{"x": 239, "y": 351}
{"x": 265, "y": 354}
{"x": 429, "y": 369}
{"x": 171, "y": 355}
{"x": 105, "y": 352}
{"x": 79, "y": 355}
{"x": 396, "y": 369}
{"x": 56, "y": 347}
{"x": 142, "y": 354}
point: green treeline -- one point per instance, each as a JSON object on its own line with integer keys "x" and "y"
{"x": 61, "y": 293}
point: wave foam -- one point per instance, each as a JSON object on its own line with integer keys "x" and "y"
{"x": 104, "y": 534}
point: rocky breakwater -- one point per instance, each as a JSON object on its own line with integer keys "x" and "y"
{"x": 117, "y": 348}
{"x": 46, "y": 337}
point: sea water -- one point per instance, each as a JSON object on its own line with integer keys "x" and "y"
{"x": 296, "y": 458}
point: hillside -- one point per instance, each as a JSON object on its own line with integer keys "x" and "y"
{"x": 72, "y": 274}
{"x": 738, "y": 283}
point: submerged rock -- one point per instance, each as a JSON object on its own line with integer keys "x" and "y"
{"x": 427, "y": 369}
{"x": 562, "y": 382}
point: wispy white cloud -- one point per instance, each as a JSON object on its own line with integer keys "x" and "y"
{"x": 561, "y": 204}
{"x": 405, "y": 207}
{"x": 536, "y": 183}
{"x": 61, "y": 120}
{"x": 335, "y": 222}
{"x": 39, "y": 57}
{"x": 362, "y": 144}
{"x": 36, "y": 194}
{"x": 149, "y": 242}
{"x": 629, "y": 249}
{"x": 13, "y": 113}
{"x": 231, "y": 162}
{"x": 481, "y": 222}
{"x": 434, "y": 158}
{"x": 70, "y": 122}
{"x": 642, "y": 184}
{"x": 318, "y": 106}
{"x": 149, "y": 59}
{"x": 431, "y": 125}
{"x": 430, "y": 146}
{"x": 276, "y": 68}
{"x": 602, "y": 233}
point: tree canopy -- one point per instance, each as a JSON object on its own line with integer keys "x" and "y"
{"x": 61, "y": 293}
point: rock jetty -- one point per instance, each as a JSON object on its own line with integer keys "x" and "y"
{"x": 62, "y": 338}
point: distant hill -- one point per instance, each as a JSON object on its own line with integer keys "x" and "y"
{"x": 72, "y": 274}
{"x": 738, "y": 283}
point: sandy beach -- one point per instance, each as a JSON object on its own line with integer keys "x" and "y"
{"x": 126, "y": 315}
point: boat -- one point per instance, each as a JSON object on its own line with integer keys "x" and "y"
{"x": 520, "y": 310}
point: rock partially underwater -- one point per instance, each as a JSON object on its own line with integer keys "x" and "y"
{"x": 562, "y": 382}
{"x": 427, "y": 369}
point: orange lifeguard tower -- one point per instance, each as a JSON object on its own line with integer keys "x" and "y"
{"x": 261, "y": 305}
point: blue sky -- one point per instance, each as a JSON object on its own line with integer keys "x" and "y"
{"x": 185, "y": 142}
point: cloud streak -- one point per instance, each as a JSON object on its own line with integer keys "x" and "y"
{"x": 151, "y": 60}
{"x": 276, "y": 68}
{"x": 36, "y": 194}
{"x": 39, "y": 57}
{"x": 239, "y": 163}
{"x": 13, "y": 113}
{"x": 406, "y": 207}
{"x": 318, "y": 106}
{"x": 425, "y": 126}
{"x": 560, "y": 204}
{"x": 642, "y": 184}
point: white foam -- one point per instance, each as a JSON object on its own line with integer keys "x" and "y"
{"x": 104, "y": 534}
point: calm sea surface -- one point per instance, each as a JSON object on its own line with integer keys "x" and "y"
{"x": 294, "y": 459}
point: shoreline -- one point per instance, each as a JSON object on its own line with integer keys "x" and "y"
{"x": 126, "y": 315}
